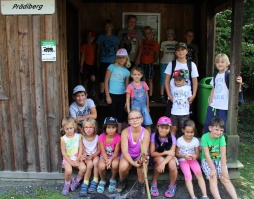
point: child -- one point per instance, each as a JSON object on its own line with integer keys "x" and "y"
{"x": 87, "y": 62}
{"x": 187, "y": 151}
{"x": 131, "y": 39}
{"x": 192, "y": 48}
{"x": 167, "y": 54}
{"x": 71, "y": 148}
{"x": 107, "y": 47}
{"x": 214, "y": 160}
{"x": 90, "y": 156}
{"x": 162, "y": 149}
{"x": 150, "y": 52}
{"x": 116, "y": 81}
{"x": 181, "y": 93}
{"x": 131, "y": 151}
{"x": 191, "y": 77}
{"x": 218, "y": 101}
{"x": 82, "y": 107}
{"x": 137, "y": 91}
{"x": 109, "y": 143}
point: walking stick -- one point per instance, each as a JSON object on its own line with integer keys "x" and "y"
{"x": 144, "y": 168}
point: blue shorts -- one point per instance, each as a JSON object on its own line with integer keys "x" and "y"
{"x": 162, "y": 72}
{"x": 212, "y": 113}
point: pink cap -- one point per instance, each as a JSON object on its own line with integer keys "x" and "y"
{"x": 122, "y": 52}
{"x": 164, "y": 121}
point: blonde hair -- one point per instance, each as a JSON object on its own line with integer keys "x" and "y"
{"x": 93, "y": 122}
{"x": 127, "y": 63}
{"x": 133, "y": 111}
{"x": 67, "y": 121}
{"x": 222, "y": 57}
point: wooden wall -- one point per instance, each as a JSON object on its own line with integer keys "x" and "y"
{"x": 36, "y": 91}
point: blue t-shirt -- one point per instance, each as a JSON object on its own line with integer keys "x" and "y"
{"x": 107, "y": 47}
{"x": 117, "y": 79}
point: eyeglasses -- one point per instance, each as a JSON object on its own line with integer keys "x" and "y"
{"x": 88, "y": 127}
{"x": 69, "y": 128}
{"x": 134, "y": 118}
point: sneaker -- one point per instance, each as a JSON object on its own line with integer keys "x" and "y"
{"x": 65, "y": 190}
{"x": 93, "y": 187}
{"x": 74, "y": 184}
{"x": 163, "y": 100}
{"x": 141, "y": 189}
{"x": 121, "y": 185}
{"x": 205, "y": 197}
{"x": 83, "y": 190}
{"x": 171, "y": 191}
{"x": 151, "y": 99}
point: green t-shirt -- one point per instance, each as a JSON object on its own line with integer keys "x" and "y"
{"x": 213, "y": 146}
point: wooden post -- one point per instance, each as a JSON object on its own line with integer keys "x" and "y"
{"x": 236, "y": 47}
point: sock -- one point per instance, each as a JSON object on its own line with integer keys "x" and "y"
{"x": 95, "y": 179}
{"x": 173, "y": 184}
{"x": 78, "y": 178}
{"x": 68, "y": 182}
{"x": 86, "y": 182}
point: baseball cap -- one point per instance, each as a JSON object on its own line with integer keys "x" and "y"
{"x": 78, "y": 88}
{"x": 170, "y": 32}
{"x": 91, "y": 33}
{"x": 180, "y": 74}
{"x": 181, "y": 44}
{"x": 164, "y": 121}
{"x": 122, "y": 52}
{"x": 110, "y": 120}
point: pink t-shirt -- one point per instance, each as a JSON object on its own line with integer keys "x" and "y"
{"x": 130, "y": 89}
{"x": 110, "y": 148}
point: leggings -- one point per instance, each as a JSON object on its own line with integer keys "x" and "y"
{"x": 187, "y": 166}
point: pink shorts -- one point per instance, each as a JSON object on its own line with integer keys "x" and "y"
{"x": 187, "y": 166}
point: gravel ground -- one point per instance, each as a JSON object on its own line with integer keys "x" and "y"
{"x": 30, "y": 187}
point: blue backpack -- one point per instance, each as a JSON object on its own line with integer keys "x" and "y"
{"x": 241, "y": 99}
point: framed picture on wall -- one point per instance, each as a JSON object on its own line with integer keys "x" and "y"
{"x": 145, "y": 19}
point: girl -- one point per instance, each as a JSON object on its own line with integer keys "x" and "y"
{"x": 188, "y": 151}
{"x": 109, "y": 143}
{"x": 130, "y": 146}
{"x": 116, "y": 80}
{"x": 162, "y": 149}
{"x": 71, "y": 148}
{"x": 137, "y": 91}
{"x": 90, "y": 155}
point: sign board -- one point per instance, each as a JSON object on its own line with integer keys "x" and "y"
{"x": 48, "y": 50}
{"x": 26, "y": 7}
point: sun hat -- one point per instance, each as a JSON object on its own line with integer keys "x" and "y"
{"x": 164, "y": 121}
{"x": 122, "y": 52}
{"x": 110, "y": 120}
{"x": 180, "y": 74}
{"x": 78, "y": 88}
{"x": 170, "y": 32}
{"x": 181, "y": 44}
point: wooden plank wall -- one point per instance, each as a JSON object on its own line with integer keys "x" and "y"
{"x": 36, "y": 91}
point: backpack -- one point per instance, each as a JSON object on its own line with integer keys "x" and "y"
{"x": 240, "y": 99}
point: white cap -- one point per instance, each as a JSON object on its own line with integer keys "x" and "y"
{"x": 122, "y": 52}
{"x": 78, "y": 88}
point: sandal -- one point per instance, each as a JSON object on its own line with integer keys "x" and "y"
{"x": 93, "y": 186}
{"x": 101, "y": 186}
{"x": 154, "y": 190}
{"x": 170, "y": 191}
{"x": 112, "y": 185}
{"x": 83, "y": 190}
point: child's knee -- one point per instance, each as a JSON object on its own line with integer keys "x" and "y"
{"x": 224, "y": 180}
{"x": 199, "y": 175}
{"x": 68, "y": 171}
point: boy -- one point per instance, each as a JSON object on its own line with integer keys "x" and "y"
{"x": 191, "y": 76}
{"x": 149, "y": 53}
{"x": 218, "y": 101}
{"x": 131, "y": 39}
{"x": 82, "y": 107}
{"x": 167, "y": 54}
{"x": 180, "y": 108}
{"x": 107, "y": 47}
{"x": 192, "y": 48}
{"x": 213, "y": 158}
{"x": 87, "y": 62}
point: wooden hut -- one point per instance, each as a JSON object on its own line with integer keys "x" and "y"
{"x": 35, "y": 94}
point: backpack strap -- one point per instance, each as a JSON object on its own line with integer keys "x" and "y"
{"x": 173, "y": 67}
{"x": 227, "y": 72}
{"x": 214, "y": 76}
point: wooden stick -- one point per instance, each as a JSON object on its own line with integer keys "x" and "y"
{"x": 144, "y": 168}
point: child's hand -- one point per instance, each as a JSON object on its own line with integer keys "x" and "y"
{"x": 83, "y": 157}
{"x": 188, "y": 157}
{"x": 90, "y": 157}
{"x": 108, "y": 99}
{"x": 108, "y": 163}
{"x": 239, "y": 79}
{"x": 224, "y": 174}
{"x": 170, "y": 97}
{"x": 194, "y": 157}
{"x": 213, "y": 173}
{"x": 190, "y": 99}
{"x": 137, "y": 164}
{"x": 161, "y": 168}
{"x": 169, "y": 152}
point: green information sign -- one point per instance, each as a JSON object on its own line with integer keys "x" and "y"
{"x": 48, "y": 50}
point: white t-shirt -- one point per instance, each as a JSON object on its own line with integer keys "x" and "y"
{"x": 221, "y": 93}
{"x": 79, "y": 111}
{"x": 194, "y": 72}
{"x": 168, "y": 48}
{"x": 90, "y": 147}
{"x": 181, "y": 105}
{"x": 187, "y": 148}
